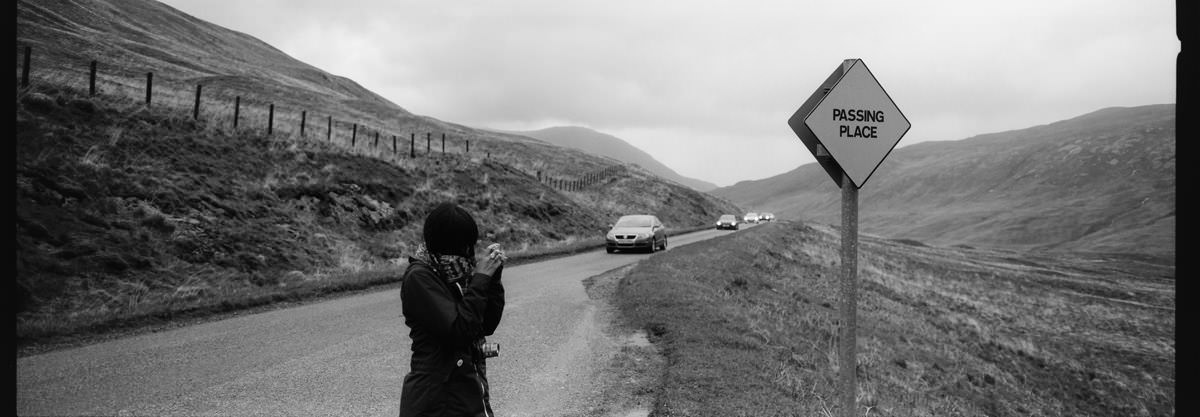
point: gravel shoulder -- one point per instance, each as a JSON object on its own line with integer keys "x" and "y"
{"x": 629, "y": 375}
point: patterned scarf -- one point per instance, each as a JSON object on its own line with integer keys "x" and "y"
{"x": 454, "y": 269}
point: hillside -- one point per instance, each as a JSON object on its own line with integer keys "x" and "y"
{"x": 128, "y": 211}
{"x": 942, "y": 331}
{"x": 606, "y": 145}
{"x": 1101, "y": 182}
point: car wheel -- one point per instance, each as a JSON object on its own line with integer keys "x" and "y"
{"x": 609, "y": 250}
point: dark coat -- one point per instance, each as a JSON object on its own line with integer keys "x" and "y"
{"x": 447, "y": 375}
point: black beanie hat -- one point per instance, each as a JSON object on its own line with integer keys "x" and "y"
{"x": 450, "y": 230}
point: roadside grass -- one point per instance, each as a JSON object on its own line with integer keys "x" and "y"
{"x": 748, "y": 323}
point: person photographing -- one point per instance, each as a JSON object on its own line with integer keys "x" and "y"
{"x": 451, "y": 302}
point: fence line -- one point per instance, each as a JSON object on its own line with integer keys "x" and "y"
{"x": 216, "y": 114}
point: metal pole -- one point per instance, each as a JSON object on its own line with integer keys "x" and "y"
{"x": 237, "y": 110}
{"x": 394, "y": 145}
{"x": 271, "y": 119}
{"x": 443, "y": 143}
{"x": 427, "y": 142}
{"x": 412, "y": 145}
{"x": 354, "y": 136}
{"x": 376, "y": 145}
{"x": 329, "y": 130}
{"x": 847, "y": 358}
{"x": 303, "y": 121}
{"x": 92, "y": 79}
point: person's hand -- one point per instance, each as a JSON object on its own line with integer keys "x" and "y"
{"x": 488, "y": 266}
{"x": 494, "y": 252}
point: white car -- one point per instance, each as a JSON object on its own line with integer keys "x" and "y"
{"x": 750, "y": 217}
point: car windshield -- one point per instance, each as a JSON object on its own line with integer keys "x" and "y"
{"x": 727, "y": 217}
{"x": 634, "y": 221}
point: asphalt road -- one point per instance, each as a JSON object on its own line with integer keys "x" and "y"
{"x": 346, "y": 356}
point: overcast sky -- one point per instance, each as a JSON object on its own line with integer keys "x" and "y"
{"x": 706, "y": 87}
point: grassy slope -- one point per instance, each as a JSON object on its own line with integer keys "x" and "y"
{"x": 1101, "y": 182}
{"x": 125, "y": 212}
{"x": 747, "y": 323}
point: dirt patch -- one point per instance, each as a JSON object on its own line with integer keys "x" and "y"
{"x": 629, "y": 384}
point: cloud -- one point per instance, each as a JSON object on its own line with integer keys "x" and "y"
{"x": 712, "y": 72}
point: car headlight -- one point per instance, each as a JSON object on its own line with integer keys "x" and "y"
{"x": 643, "y": 235}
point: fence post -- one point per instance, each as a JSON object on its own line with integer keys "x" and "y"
{"x": 237, "y": 110}
{"x": 25, "y": 68}
{"x": 329, "y": 130}
{"x": 149, "y": 86}
{"x": 443, "y": 143}
{"x": 354, "y": 136}
{"x": 427, "y": 142}
{"x": 303, "y": 121}
{"x": 270, "y": 119}
{"x": 468, "y": 146}
{"x": 196, "y": 109}
{"x": 394, "y": 145}
{"x": 376, "y": 145}
{"x": 412, "y": 145}
{"x": 92, "y": 79}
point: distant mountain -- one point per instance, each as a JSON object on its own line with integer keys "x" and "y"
{"x": 1103, "y": 181}
{"x": 602, "y": 144}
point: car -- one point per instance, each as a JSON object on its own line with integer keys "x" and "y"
{"x": 751, "y": 217}
{"x": 766, "y": 217}
{"x": 642, "y": 232}
{"x": 727, "y": 221}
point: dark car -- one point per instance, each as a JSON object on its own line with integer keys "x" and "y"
{"x": 636, "y": 232}
{"x": 727, "y": 221}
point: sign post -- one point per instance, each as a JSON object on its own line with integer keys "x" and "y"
{"x": 850, "y": 124}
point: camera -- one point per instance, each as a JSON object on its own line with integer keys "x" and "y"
{"x": 490, "y": 350}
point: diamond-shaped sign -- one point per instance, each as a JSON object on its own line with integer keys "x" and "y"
{"x": 850, "y": 124}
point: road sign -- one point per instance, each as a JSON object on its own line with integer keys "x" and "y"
{"x": 850, "y": 123}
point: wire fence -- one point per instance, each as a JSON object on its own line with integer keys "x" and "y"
{"x": 227, "y": 108}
